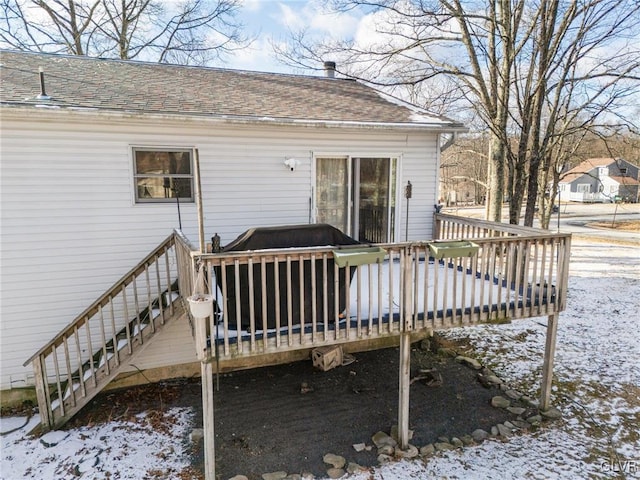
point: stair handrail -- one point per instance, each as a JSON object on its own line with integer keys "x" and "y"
{"x": 103, "y": 300}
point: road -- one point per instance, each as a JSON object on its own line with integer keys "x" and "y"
{"x": 576, "y": 218}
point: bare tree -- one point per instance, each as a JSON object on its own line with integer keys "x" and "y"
{"x": 54, "y": 26}
{"x": 530, "y": 70}
{"x": 186, "y": 31}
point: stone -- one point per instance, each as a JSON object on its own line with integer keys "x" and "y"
{"x": 493, "y": 380}
{"x": 239, "y": 477}
{"x": 336, "y": 461}
{"x": 197, "y": 434}
{"x": 510, "y": 425}
{"x": 336, "y": 472}
{"x": 443, "y": 439}
{"x": 521, "y": 424}
{"x": 500, "y": 402}
{"x": 552, "y": 413}
{"x": 382, "y": 459}
{"x": 380, "y": 438}
{"x": 483, "y": 381}
{"x": 534, "y": 420}
{"x": 88, "y": 463}
{"x": 293, "y": 476}
{"x": 467, "y": 440}
{"x": 513, "y": 394}
{"x": 494, "y": 431}
{"x": 410, "y": 452}
{"x": 305, "y": 388}
{"x": 487, "y": 372}
{"x": 442, "y": 446}
{"x": 280, "y": 475}
{"x": 355, "y": 468}
{"x": 533, "y": 403}
{"x": 504, "y": 431}
{"x": 446, "y": 352}
{"x": 386, "y": 450}
{"x": 469, "y": 362}
{"x": 308, "y": 476}
{"x": 479, "y": 435}
{"x": 53, "y": 438}
{"x": 517, "y": 410}
{"x": 359, "y": 447}
{"x": 394, "y": 433}
{"x": 456, "y": 442}
{"x": 427, "y": 450}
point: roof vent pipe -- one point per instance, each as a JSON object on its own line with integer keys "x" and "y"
{"x": 330, "y": 69}
{"x": 43, "y": 94}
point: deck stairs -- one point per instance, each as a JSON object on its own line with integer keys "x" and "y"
{"x": 96, "y": 346}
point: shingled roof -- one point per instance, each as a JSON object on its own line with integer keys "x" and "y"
{"x": 151, "y": 88}
{"x": 585, "y": 167}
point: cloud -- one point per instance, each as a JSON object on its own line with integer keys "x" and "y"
{"x": 252, "y": 5}
{"x": 314, "y": 17}
{"x": 293, "y": 20}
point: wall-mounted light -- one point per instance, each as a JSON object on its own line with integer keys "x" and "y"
{"x": 291, "y": 163}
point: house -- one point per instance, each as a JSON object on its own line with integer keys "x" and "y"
{"x": 112, "y": 172}
{"x": 99, "y": 165}
{"x": 601, "y": 180}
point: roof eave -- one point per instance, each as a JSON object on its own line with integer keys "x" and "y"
{"x": 45, "y": 109}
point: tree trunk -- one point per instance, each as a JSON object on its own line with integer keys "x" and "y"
{"x": 495, "y": 179}
{"x": 532, "y": 191}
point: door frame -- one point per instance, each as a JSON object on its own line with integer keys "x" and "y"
{"x": 352, "y": 189}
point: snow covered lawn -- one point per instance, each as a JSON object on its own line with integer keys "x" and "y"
{"x": 596, "y": 386}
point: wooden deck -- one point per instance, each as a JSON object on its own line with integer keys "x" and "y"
{"x": 301, "y": 299}
{"x": 269, "y": 301}
{"x": 286, "y": 300}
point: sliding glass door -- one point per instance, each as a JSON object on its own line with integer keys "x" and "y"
{"x": 358, "y": 196}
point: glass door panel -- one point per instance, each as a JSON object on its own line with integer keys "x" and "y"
{"x": 332, "y": 192}
{"x": 375, "y": 194}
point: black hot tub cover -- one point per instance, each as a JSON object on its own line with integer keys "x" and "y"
{"x": 288, "y": 236}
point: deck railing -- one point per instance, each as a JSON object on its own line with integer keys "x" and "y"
{"x": 75, "y": 365}
{"x": 277, "y": 300}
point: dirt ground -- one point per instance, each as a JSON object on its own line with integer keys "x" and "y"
{"x": 287, "y": 417}
{"x": 624, "y": 225}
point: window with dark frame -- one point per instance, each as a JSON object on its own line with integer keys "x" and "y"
{"x": 162, "y": 175}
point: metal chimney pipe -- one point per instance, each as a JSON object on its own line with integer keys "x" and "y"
{"x": 330, "y": 69}
{"x": 43, "y": 94}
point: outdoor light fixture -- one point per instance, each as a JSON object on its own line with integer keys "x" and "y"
{"x": 291, "y": 163}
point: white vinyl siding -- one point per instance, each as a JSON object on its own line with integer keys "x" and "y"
{"x": 71, "y": 226}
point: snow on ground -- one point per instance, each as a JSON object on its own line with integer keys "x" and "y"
{"x": 115, "y": 450}
{"x": 596, "y": 386}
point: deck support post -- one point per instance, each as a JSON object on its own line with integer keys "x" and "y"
{"x": 207, "y": 420}
{"x": 206, "y": 368}
{"x": 547, "y": 366}
{"x": 404, "y": 384}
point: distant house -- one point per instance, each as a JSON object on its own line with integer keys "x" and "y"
{"x": 601, "y": 180}
{"x": 99, "y": 163}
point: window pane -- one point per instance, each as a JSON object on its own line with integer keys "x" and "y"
{"x": 162, "y": 175}
{"x": 157, "y": 162}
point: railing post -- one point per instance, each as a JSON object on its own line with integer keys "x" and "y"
{"x": 436, "y": 226}
{"x": 46, "y": 418}
{"x": 547, "y": 366}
